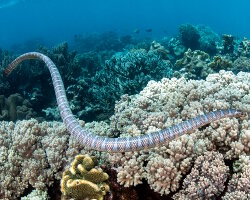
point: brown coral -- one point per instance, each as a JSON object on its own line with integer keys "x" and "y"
{"x": 193, "y": 65}
{"x": 239, "y": 185}
{"x": 207, "y": 178}
{"x": 15, "y": 107}
{"x": 35, "y": 153}
{"x": 162, "y": 175}
{"x": 162, "y": 104}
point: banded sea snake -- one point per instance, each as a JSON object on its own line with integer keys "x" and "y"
{"x": 100, "y": 143}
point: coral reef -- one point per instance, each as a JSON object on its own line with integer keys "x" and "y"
{"x": 84, "y": 180}
{"x": 162, "y": 175}
{"x": 239, "y": 184}
{"x": 193, "y": 65}
{"x": 118, "y": 191}
{"x": 85, "y": 74}
{"x": 240, "y": 180}
{"x": 168, "y": 102}
{"x": 36, "y": 195}
{"x": 189, "y": 36}
{"x": 194, "y": 37}
{"x": 238, "y": 195}
{"x": 87, "y": 78}
{"x": 228, "y": 43}
{"x": 163, "y": 52}
{"x": 207, "y": 178}
{"x": 209, "y": 40}
{"x": 244, "y": 48}
{"x": 64, "y": 60}
{"x": 219, "y": 63}
{"x": 176, "y": 48}
{"x": 241, "y": 64}
{"x": 124, "y": 73}
{"x": 34, "y": 154}
{"x": 198, "y": 64}
{"x": 15, "y": 107}
{"x": 5, "y": 58}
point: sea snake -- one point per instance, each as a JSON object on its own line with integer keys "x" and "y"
{"x": 100, "y": 143}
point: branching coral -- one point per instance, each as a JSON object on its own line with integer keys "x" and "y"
{"x": 36, "y": 195}
{"x": 207, "y": 178}
{"x": 125, "y": 73}
{"x": 5, "y": 58}
{"x": 131, "y": 169}
{"x": 162, "y": 104}
{"x": 32, "y": 154}
{"x": 162, "y": 175}
{"x": 240, "y": 181}
{"x": 239, "y": 185}
{"x": 38, "y": 158}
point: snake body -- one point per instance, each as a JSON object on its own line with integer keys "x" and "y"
{"x": 100, "y": 143}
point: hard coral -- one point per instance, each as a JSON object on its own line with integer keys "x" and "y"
{"x": 15, "y": 107}
{"x": 242, "y": 64}
{"x": 155, "y": 46}
{"x": 32, "y": 155}
{"x": 220, "y": 63}
{"x": 125, "y": 73}
{"x": 35, "y": 153}
{"x": 83, "y": 180}
{"x": 207, "y": 178}
{"x": 228, "y": 43}
{"x": 193, "y": 65}
{"x": 189, "y": 36}
{"x": 244, "y": 48}
{"x": 237, "y": 195}
{"x": 5, "y": 58}
{"x": 198, "y": 65}
{"x": 240, "y": 181}
{"x": 162, "y": 175}
{"x": 36, "y": 195}
{"x": 170, "y": 101}
{"x": 208, "y": 39}
{"x": 118, "y": 191}
{"x": 239, "y": 185}
{"x": 176, "y": 48}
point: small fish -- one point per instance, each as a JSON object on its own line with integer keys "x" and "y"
{"x": 149, "y": 30}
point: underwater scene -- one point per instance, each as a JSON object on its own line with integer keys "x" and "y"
{"x": 124, "y": 100}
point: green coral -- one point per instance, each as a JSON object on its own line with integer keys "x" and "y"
{"x": 220, "y": 63}
{"x": 84, "y": 179}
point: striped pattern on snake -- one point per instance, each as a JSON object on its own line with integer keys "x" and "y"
{"x": 99, "y": 143}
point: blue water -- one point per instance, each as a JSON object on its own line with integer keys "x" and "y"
{"x": 53, "y": 21}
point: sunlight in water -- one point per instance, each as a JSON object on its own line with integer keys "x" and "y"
{"x": 8, "y": 3}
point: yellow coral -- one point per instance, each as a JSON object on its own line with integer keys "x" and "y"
{"x": 83, "y": 180}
